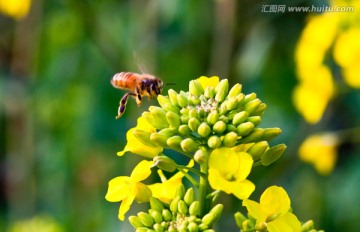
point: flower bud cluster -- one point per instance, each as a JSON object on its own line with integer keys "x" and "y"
{"x": 210, "y": 118}
{"x": 181, "y": 215}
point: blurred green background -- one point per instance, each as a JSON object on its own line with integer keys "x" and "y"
{"x": 59, "y": 136}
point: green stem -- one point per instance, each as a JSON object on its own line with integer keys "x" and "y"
{"x": 203, "y": 187}
{"x": 191, "y": 169}
{"x": 190, "y": 178}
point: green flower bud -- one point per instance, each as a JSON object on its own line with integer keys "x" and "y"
{"x": 146, "y": 219}
{"x": 189, "y": 196}
{"x": 224, "y": 118}
{"x": 193, "y": 227}
{"x": 217, "y": 210}
{"x": 172, "y": 108}
{"x": 209, "y": 219}
{"x": 193, "y": 124}
{"x": 159, "y": 228}
{"x": 231, "y": 103}
{"x": 173, "y": 97}
{"x": 223, "y": 109}
{"x": 203, "y": 227}
{"x": 245, "y": 128}
{"x": 189, "y": 145}
{"x": 272, "y": 154}
{"x": 135, "y": 222}
{"x": 201, "y": 156}
{"x": 230, "y": 128}
{"x": 182, "y": 99}
{"x": 271, "y": 133}
{"x": 195, "y": 88}
{"x": 185, "y": 111}
{"x": 184, "y": 130}
{"x": 214, "y": 142}
{"x": 240, "y": 100}
{"x": 156, "y": 204}
{"x": 230, "y": 139}
{"x": 159, "y": 115}
{"x": 222, "y": 90}
{"x": 180, "y": 191}
{"x": 174, "y": 204}
{"x": 184, "y": 119}
{"x": 219, "y": 127}
{"x": 194, "y": 100}
{"x": 167, "y": 131}
{"x": 254, "y": 136}
{"x": 309, "y": 225}
{"x": 204, "y": 130}
{"x": 251, "y": 106}
{"x": 166, "y": 214}
{"x": 173, "y": 119}
{"x": 155, "y": 122}
{"x": 164, "y": 163}
{"x": 172, "y": 229}
{"x": 235, "y": 90}
{"x": 248, "y": 225}
{"x": 163, "y": 100}
{"x": 174, "y": 142}
{"x": 193, "y": 113}
{"x": 259, "y": 110}
{"x": 209, "y": 230}
{"x": 240, "y": 118}
{"x": 141, "y": 229}
{"x": 256, "y": 120}
{"x": 239, "y": 219}
{"x": 258, "y": 149}
{"x": 212, "y": 117}
{"x": 144, "y": 137}
{"x": 156, "y": 215}
{"x": 260, "y": 226}
{"x": 159, "y": 139}
{"x": 194, "y": 208}
{"x": 249, "y": 97}
{"x": 209, "y": 92}
{"x": 182, "y": 207}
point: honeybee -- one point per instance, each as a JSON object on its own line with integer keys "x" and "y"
{"x": 139, "y": 85}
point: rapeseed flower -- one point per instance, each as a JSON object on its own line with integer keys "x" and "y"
{"x": 129, "y": 188}
{"x": 228, "y": 170}
{"x": 15, "y": 8}
{"x": 321, "y": 151}
{"x": 273, "y": 211}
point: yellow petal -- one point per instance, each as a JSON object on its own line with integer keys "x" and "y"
{"x": 352, "y": 75}
{"x": 225, "y": 161}
{"x": 347, "y": 48}
{"x": 125, "y": 206}
{"x": 275, "y": 200}
{"x": 143, "y": 193}
{"x": 243, "y": 189}
{"x": 119, "y": 188}
{"x": 254, "y": 210}
{"x": 208, "y": 81}
{"x": 288, "y": 222}
{"x": 245, "y": 165}
{"x": 141, "y": 171}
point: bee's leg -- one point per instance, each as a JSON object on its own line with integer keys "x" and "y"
{"x": 138, "y": 96}
{"x": 122, "y": 104}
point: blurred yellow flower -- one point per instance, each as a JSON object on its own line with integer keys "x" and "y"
{"x": 347, "y": 55}
{"x": 15, "y": 8}
{"x": 228, "y": 170}
{"x": 273, "y": 211}
{"x": 135, "y": 146}
{"x": 311, "y": 97}
{"x": 208, "y": 81}
{"x": 166, "y": 190}
{"x": 321, "y": 151}
{"x": 127, "y": 189}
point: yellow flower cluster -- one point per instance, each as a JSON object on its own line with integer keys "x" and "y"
{"x": 329, "y": 36}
